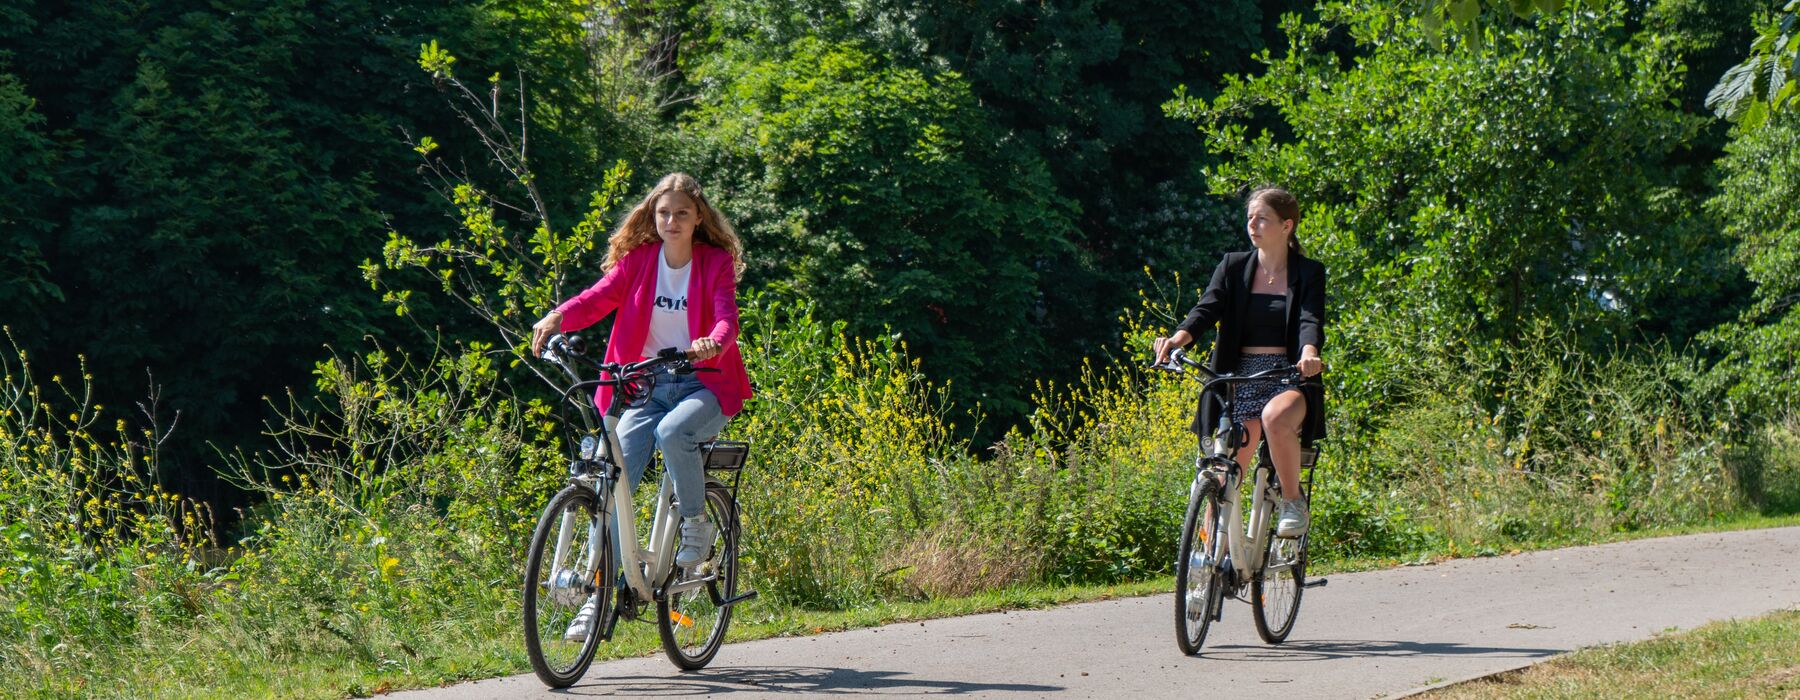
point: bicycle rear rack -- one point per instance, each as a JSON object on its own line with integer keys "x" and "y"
{"x": 726, "y": 456}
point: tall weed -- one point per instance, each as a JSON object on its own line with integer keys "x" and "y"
{"x": 1568, "y": 446}
{"x": 92, "y": 548}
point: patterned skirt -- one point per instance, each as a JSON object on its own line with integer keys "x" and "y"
{"x": 1253, "y": 396}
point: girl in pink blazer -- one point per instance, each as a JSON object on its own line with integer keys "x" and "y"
{"x": 671, "y": 273}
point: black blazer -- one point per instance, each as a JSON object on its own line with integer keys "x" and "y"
{"x": 1226, "y": 301}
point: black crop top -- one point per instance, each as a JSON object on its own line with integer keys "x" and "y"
{"x": 1265, "y": 321}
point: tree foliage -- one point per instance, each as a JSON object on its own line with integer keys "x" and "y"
{"x": 27, "y": 156}
{"x": 1768, "y": 81}
{"x": 1757, "y": 206}
{"x": 188, "y": 186}
{"x": 1075, "y": 85}
{"x": 1470, "y": 192}
{"x": 1081, "y": 83}
{"x": 189, "y": 179}
{"x": 886, "y": 195}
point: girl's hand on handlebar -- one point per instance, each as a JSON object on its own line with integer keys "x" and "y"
{"x": 541, "y": 331}
{"x": 704, "y": 349}
{"x": 1163, "y": 346}
{"x": 1310, "y": 365}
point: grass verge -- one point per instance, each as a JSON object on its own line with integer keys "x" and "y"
{"x": 1754, "y": 658}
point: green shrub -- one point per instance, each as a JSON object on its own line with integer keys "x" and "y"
{"x": 94, "y": 549}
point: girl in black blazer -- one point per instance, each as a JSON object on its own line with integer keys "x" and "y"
{"x": 1269, "y": 305}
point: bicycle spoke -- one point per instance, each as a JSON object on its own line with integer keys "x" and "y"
{"x": 1198, "y": 588}
{"x": 692, "y": 625}
{"x": 561, "y": 628}
{"x": 1277, "y": 590}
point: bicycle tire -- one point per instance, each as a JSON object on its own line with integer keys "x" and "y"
{"x": 549, "y": 608}
{"x": 1275, "y": 594}
{"x": 1200, "y": 533}
{"x": 692, "y": 627}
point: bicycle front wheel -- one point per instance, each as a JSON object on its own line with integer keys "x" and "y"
{"x": 692, "y": 623}
{"x": 1275, "y": 593}
{"x": 568, "y": 567}
{"x": 1198, "y": 589}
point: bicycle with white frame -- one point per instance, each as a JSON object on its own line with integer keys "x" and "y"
{"x": 593, "y": 520}
{"x": 1223, "y": 554}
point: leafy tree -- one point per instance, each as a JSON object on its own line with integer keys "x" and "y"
{"x": 1469, "y": 17}
{"x": 594, "y": 82}
{"x": 1757, "y": 205}
{"x": 502, "y": 278}
{"x": 202, "y": 178}
{"x": 885, "y": 194}
{"x": 1078, "y": 83}
{"x": 26, "y": 158}
{"x": 1710, "y": 36}
{"x": 27, "y": 155}
{"x": 1466, "y": 193}
{"x": 1749, "y": 91}
{"x": 1768, "y": 81}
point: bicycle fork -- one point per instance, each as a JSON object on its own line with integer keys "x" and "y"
{"x": 573, "y": 580}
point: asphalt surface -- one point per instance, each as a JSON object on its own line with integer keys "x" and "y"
{"x": 1373, "y": 634}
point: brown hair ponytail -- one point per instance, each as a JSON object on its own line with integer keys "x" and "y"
{"x": 1286, "y": 206}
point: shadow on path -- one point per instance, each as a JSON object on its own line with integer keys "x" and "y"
{"x": 792, "y": 679}
{"x": 1331, "y": 649}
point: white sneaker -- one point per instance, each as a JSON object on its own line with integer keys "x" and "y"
{"x": 1294, "y": 519}
{"x": 696, "y": 541}
{"x": 578, "y": 630}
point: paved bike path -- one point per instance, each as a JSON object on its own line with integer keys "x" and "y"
{"x": 1372, "y": 634}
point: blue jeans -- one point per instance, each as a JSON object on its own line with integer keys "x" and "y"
{"x": 680, "y": 414}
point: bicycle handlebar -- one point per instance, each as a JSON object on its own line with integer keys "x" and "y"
{"x": 1179, "y": 362}
{"x": 564, "y": 351}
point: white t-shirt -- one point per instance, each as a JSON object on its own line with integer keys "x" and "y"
{"x": 668, "y": 315}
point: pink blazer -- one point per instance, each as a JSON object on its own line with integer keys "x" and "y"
{"x": 712, "y": 313}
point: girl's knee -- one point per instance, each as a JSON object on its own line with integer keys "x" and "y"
{"x": 670, "y": 436}
{"x": 1284, "y": 416}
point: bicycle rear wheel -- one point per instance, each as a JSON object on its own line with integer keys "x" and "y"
{"x": 691, "y": 623}
{"x": 556, "y": 587}
{"x": 1275, "y": 594}
{"x": 1198, "y": 589}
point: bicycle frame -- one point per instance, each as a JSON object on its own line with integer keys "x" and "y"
{"x": 645, "y": 568}
{"x": 575, "y": 594}
{"x": 1245, "y": 538}
{"x": 1245, "y": 542}
{"x": 660, "y": 555}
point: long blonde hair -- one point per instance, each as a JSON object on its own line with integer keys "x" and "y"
{"x": 639, "y": 227}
